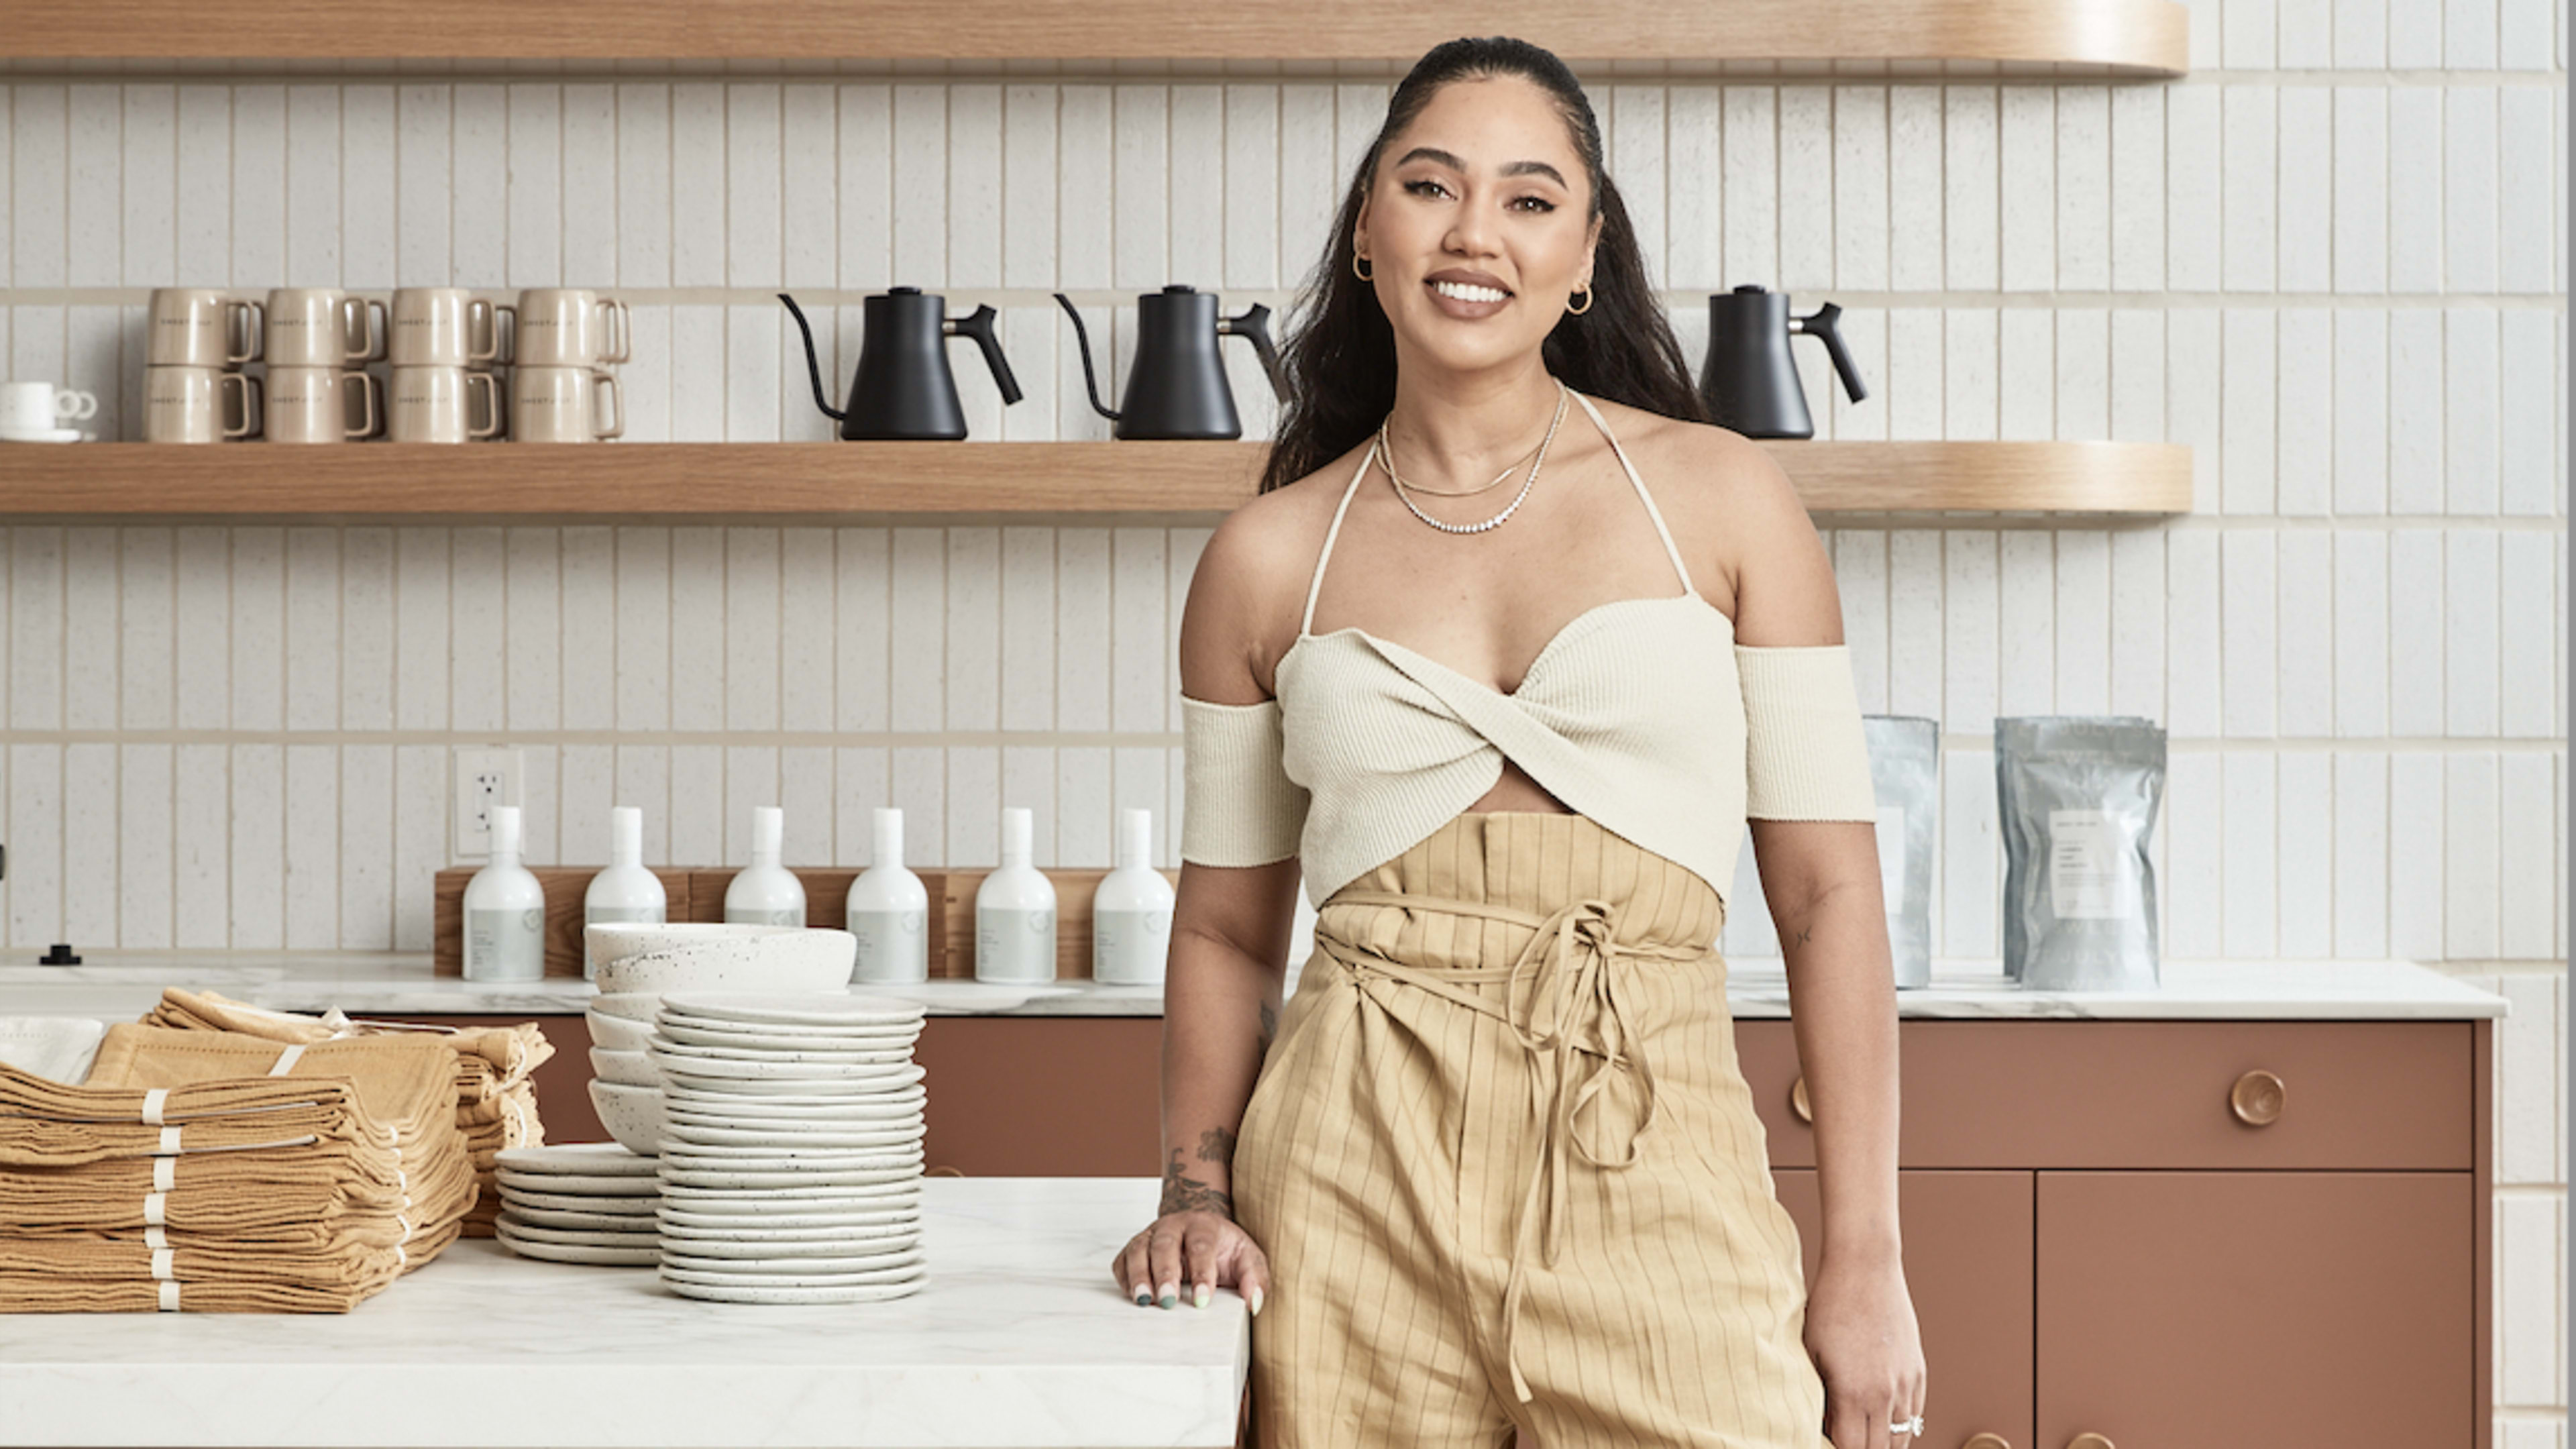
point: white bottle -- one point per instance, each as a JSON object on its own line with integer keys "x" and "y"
{"x": 505, "y": 911}
{"x": 1015, "y": 913}
{"x": 767, "y": 893}
{"x": 626, "y": 891}
{"x": 890, "y": 912}
{"x": 1131, "y": 912}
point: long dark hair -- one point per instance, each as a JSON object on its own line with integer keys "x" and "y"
{"x": 1340, "y": 353}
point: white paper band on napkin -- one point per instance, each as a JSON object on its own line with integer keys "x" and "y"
{"x": 156, "y": 1209}
{"x": 161, "y": 1261}
{"x": 169, "y": 1143}
{"x": 169, "y": 1296}
{"x": 286, "y": 1060}
{"x": 156, "y": 1238}
{"x": 165, "y": 1173}
{"x": 152, "y": 1101}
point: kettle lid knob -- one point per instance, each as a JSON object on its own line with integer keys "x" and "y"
{"x": 1755, "y": 288}
{"x": 903, "y": 291}
{"x": 1179, "y": 289}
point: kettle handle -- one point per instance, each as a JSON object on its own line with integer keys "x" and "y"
{"x": 813, "y": 365}
{"x": 1089, "y": 382}
{"x": 1255, "y": 324}
{"x": 978, "y": 324}
{"x": 1821, "y": 323}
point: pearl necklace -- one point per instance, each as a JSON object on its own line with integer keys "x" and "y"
{"x": 1386, "y": 459}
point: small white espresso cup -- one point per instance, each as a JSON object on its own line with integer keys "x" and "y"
{"x": 40, "y": 407}
{"x": 202, "y": 327}
{"x": 199, "y": 405}
{"x": 564, "y": 405}
{"x": 442, "y": 405}
{"x": 313, "y": 405}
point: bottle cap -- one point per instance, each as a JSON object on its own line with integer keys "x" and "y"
{"x": 505, "y": 831}
{"x": 1135, "y": 838}
{"x": 768, "y": 834}
{"x": 625, "y": 835}
{"x": 889, "y": 822}
{"x": 1018, "y": 824}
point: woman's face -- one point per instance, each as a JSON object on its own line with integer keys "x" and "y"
{"x": 1483, "y": 190}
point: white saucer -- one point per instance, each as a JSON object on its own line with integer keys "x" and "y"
{"x": 42, "y": 435}
{"x": 749, "y": 1290}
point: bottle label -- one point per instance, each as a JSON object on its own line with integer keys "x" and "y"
{"x": 1015, "y": 945}
{"x": 747, "y": 917}
{"x": 1128, "y": 948}
{"x": 893, "y": 945}
{"x": 505, "y": 945}
{"x": 622, "y": 915}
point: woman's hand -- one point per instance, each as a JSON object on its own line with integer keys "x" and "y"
{"x": 1199, "y": 1246}
{"x": 1861, "y": 1332}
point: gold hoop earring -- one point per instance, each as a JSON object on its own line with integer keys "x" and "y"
{"x": 1586, "y": 294}
{"x": 1367, "y": 276}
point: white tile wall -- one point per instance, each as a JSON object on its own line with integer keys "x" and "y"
{"x": 2335, "y": 268}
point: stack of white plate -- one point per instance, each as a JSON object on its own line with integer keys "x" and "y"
{"x": 587, "y": 1202}
{"x": 791, "y": 1147}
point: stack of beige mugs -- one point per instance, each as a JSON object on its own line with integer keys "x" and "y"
{"x": 442, "y": 346}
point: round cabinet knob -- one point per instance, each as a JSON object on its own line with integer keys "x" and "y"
{"x": 2089, "y": 1441}
{"x": 1987, "y": 1441}
{"x": 2256, "y": 1100}
{"x": 1798, "y": 1101}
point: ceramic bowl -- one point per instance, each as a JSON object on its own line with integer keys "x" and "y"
{"x": 632, "y": 1069}
{"x": 615, "y": 941}
{"x": 627, "y": 1005}
{"x": 632, "y": 1115}
{"x": 618, "y": 1033}
{"x": 792, "y": 960}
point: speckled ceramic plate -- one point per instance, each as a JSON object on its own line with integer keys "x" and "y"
{"x": 718, "y": 1228}
{"x": 794, "y": 1137}
{"x": 895, "y": 1074}
{"x": 738, "y": 1178}
{"x": 788, "y": 1274}
{"x": 575, "y": 1159}
{"x": 736, "y": 1034}
{"x": 752, "y": 1290}
{"x": 783, "y": 1009}
{"x": 896, "y": 1153}
{"x": 636, "y": 1224}
{"x": 876, "y": 1197}
{"x": 855, "y": 1262}
{"x": 866, "y": 1056}
{"x": 638, "y": 1206}
{"x": 584, "y": 1237}
{"x": 576, "y": 1253}
{"x": 566, "y": 1185}
{"x": 682, "y": 1106}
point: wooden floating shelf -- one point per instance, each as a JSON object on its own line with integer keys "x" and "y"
{"x": 2141, "y": 38}
{"x": 780, "y": 482}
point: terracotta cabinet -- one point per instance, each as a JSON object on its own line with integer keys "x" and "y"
{"x": 2131, "y": 1235}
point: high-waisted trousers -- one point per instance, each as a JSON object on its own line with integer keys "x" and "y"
{"x": 1506, "y": 1170}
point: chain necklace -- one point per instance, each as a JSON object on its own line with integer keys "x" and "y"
{"x": 1386, "y": 459}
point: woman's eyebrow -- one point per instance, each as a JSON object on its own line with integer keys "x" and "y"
{"x": 1515, "y": 168}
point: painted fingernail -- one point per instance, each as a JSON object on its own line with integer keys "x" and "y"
{"x": 1144, "y": 1295}
{"x": 1171, "y": 1295}
{"x": 1256, "y": 1303}
{"x": 1200, "y": 1299}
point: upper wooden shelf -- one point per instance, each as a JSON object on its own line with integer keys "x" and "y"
{"x": 2145, "y": 38}
{"x": 779, "y": 482}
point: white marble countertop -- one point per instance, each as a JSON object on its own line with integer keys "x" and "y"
{"x": 1018, "y": 1338}
{"x": 122, "y": 986}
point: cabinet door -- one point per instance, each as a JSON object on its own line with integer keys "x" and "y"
{"x": 1968, "y": 1266}
{"x": 2222, "y": 1309}
{"x": 1043, "y": 1096}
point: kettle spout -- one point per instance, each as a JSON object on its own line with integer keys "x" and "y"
{"x": 1090, "y": 383}
{"x": 813, "y": 365}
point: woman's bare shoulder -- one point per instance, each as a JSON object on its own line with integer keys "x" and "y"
{"x": 1724, "y": 496}
{"x": 1249, "y": 591}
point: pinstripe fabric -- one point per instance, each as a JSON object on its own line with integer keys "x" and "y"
{"x": 1386, "y": 1160}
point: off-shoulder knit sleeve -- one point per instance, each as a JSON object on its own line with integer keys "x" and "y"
{"x": 1238, "y": 806}
{"x": 1805, "y": 755}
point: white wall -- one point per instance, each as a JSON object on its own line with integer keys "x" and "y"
{"x": 2331, "y": 260}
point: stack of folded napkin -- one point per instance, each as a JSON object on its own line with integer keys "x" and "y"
{"x": 213, "y": 1171}
{"x": 496, "y": 1100}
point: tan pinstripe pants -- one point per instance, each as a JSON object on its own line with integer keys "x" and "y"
{"x": 1506, "y": 1168}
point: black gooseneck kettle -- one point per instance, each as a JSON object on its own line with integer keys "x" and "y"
{"x": 1750, "y": 382}
{"x": 1177, "y": 387}
{"x": 903, "y": 388}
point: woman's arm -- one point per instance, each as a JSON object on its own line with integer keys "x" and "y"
{"x": 1221, "y": 995}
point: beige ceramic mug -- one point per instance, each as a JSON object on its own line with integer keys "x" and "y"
{"x": 323, "y": 327}
{"x": 202, "y": 327}
{"x": 442, "y": 405}
{"x": 199, "y": 405}
{"x": 313, "y": 404}
{"x": 570, "y": 327}
{"x": 442, "y": 327}
{"x": 564, "y": 405}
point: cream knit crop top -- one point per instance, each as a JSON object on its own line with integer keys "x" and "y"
{"x": 1643, "y": 714}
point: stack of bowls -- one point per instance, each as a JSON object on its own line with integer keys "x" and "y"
{"x": 791, "y": 1154}
{"x": 589, "y": 1202}
{"x": 637, "y": 963}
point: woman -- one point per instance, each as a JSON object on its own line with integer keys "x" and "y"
{"x": 1501, "y": 1172}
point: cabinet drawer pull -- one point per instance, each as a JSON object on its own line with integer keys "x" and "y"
{"x": 2089, "y": 1440}
{"x": 2256, "y": 1100}
{"x": 1798, "y": 1101}
{"x": 1987, "y": 1441}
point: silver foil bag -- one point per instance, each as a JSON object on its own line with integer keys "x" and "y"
{"x": 2076, "y": 798}
{"x": 1905, "y": 768}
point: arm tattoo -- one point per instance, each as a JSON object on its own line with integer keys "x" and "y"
{"x": 1217, "y": 1145}
{"x": 1183, "y": 1193}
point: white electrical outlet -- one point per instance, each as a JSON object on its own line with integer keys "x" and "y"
{"x": 484, "y": 778}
